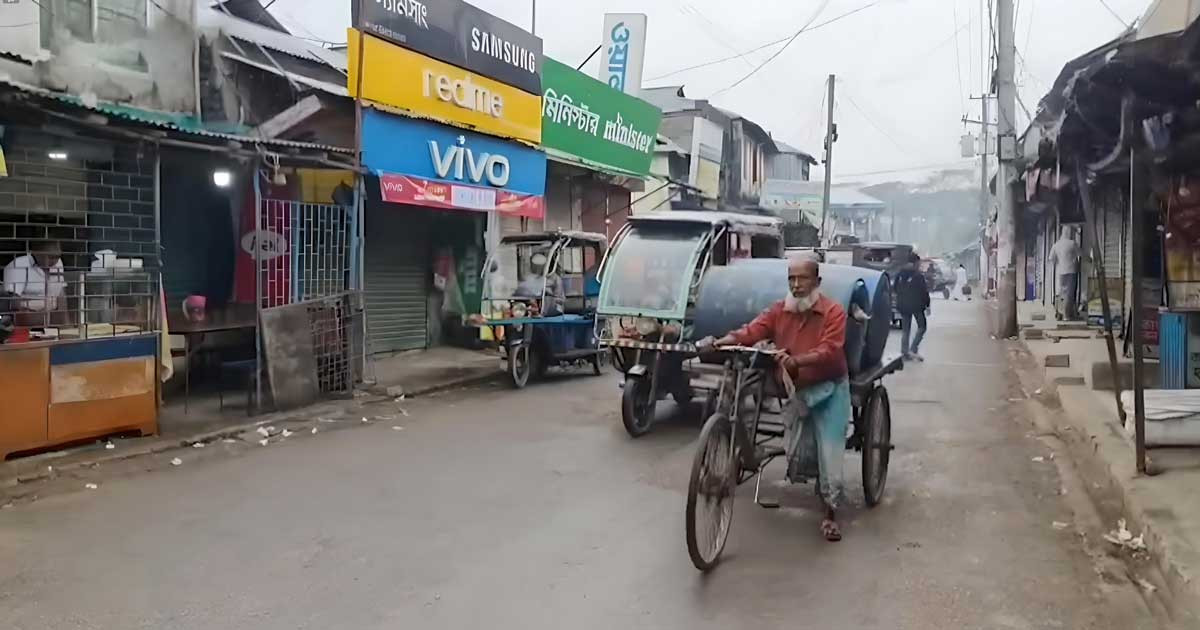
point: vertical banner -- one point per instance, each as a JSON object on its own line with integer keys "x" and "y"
{"x": 623, "y": 48}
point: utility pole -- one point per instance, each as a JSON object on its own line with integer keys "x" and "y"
{"x": 533, "y": 18}
{"x": 830, "y": 138}
{"x": 985, "y": 132}
{"x": 1006, "y": 94}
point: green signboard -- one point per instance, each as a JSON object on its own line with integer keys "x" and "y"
{"x": 586, "y": 119}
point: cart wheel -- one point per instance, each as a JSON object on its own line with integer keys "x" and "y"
{"x": 598, "y": 360}
{"x": 877, "y": 445}
{"x": 683, "y": 398}
{"x": 637, "y": 408}
{"x": 710, "y": 492}
{"x": 522, "y": 363}
{"x": 617, "y": 359}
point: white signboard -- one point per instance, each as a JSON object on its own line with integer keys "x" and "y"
{"x": 708, "y": 140}
{"x": 20, "y": 28}
{"x": 623, "y": 51}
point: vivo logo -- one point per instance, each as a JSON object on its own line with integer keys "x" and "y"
{"x": 466, "y": 166}
{"x": 271, "y": 244}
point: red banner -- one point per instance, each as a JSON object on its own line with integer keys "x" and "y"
{"x": 396, "y": 188}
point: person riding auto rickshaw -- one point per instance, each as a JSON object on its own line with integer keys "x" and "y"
{"x": 650, "y": 280}
{"x": 540, "y": 293}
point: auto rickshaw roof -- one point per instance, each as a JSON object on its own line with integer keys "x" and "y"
{"x": 750, "y": 223}
{"x": 541, "y": 237}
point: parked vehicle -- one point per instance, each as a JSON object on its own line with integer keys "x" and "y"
{"x": 540, "y": 293}
{"x": 650, "y": 283}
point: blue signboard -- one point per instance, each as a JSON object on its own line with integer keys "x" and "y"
{"x": 396, "y": 144}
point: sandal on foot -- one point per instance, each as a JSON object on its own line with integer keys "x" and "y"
{"x": 831, "y": 531}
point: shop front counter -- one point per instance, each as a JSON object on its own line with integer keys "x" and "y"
{"x": 57, "y": 392}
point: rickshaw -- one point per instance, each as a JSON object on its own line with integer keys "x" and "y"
{"x": 744, "y": 433}
{"x": 540, "y": 292}
{"x": 650, "y": 282}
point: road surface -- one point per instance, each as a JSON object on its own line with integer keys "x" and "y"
{"x": 527, "y": 510}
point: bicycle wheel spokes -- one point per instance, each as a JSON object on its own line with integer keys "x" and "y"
{"x": 710, "y": 493}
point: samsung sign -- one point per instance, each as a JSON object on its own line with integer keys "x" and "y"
{"x": 460, "y": 34}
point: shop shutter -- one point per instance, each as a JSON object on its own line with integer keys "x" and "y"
{"x": 396, "y": 268}
{"x": 1113, "y": 233}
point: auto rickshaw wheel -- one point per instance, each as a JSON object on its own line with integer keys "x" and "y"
{"x": 637, "y": 406}
{"x": 523, "y": 362}
{"x": 876, "y": 444}
{"x": 945, "y": 293}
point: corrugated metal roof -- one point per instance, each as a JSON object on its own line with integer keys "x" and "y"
{"x": 182, "y": 123}
{"x": 214, "y": 18}
{"x": 853, "y": 198}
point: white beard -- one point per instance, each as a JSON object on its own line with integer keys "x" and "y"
{"x": 794, "y": 304}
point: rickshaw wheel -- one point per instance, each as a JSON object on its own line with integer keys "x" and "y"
{"x": 522, "y": 363}
{"x": 637, "y": 409}
{"x": 710, "y": 493}
{"x": 945, "y": 293}
{"x": 877, "y": 445}
{"x": 598, "y": 360}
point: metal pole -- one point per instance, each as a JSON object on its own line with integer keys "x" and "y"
{"x": 830, "y": 138}
{"x": 1089, "y": 216}
{"x": 984, "y": 196}
{"x": 533, "y": 17}
{"x": 1138, "y": 196}
{"x": 1006, "y": 295}
{"x": 360, "y": 183}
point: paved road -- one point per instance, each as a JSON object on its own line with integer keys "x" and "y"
{"x": 496, "y": 509}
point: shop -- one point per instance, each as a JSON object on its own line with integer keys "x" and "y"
{"x": 599, "y": 142}
{"x": 448, "y": 131}
{"x": 79, "y": 306}
{"x": 426, "y": 218}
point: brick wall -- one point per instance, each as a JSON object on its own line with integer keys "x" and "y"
{"x": 100, "y": 197}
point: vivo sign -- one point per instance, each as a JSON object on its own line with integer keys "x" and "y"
{"x": 461, "y": 163}
{"x": 450, "y": 155}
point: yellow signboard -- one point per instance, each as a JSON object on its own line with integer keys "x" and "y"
{"x": 399, "y": 78}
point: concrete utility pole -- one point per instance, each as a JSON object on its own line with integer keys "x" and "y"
{"x": 1006, "y": 94}
{"x": 830, "y": 138}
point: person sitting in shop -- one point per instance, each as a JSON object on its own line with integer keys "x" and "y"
{"x": 36, "y": 280}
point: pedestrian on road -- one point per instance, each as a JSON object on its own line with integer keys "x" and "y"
{"x": 912, "y": 300}
{"x": 960, "y": 284}
{"x": 810, "y": 331}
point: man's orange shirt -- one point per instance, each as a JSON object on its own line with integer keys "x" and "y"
{"x": 821, "y": 329}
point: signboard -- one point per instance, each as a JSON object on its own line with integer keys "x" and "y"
{"x": 587, "y": 119}
{"x": 623, "y": 45}
{"x": 793, "y": 199}
{"x": 428, "y": 164}
{"x": 457, "y": 33}
{"x": 427, "y": 88}
{"x": 708, "y": 140}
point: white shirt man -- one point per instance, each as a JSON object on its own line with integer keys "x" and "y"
{"x": 42, "y": 288}
{"x": 1065, "y": 255}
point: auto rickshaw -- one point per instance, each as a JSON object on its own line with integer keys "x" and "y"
{"x": 539, "y": 300}
{"x": 650, "y": 282}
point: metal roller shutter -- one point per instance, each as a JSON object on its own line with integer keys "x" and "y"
{"x": 396, "y": 271}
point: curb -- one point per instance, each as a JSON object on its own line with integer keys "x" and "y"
{"x": 469, "y": 380}
{"x": 43, "y": 467}
{"x": 1109, "y": 482}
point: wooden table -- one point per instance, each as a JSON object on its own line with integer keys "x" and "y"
{"x": 222, "y": 319}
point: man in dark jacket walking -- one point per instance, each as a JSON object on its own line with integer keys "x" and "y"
{"x": 912, "y": 300}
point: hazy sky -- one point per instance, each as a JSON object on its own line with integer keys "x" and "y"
{"x": 902, "y": 87}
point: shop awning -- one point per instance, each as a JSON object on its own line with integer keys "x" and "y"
{"x": 625, "y": 179}
{"x": 165, "y": 121}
